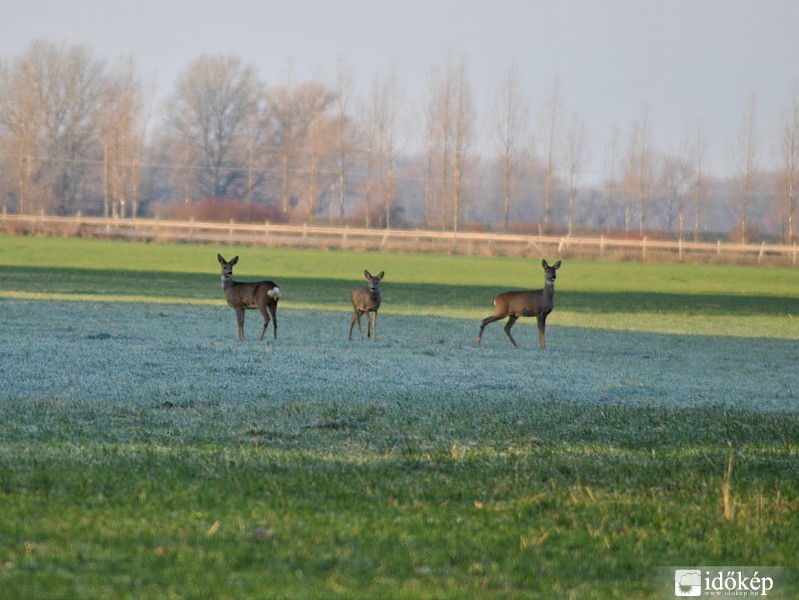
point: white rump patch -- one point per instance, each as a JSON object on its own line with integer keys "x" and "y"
{"x": 274, "y": 293}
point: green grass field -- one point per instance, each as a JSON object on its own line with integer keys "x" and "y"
{"x": 145, "y": 453}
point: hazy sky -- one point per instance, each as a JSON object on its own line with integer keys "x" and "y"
{"x": 686, "y": 60}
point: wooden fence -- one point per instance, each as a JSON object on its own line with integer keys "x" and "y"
{"x": 404, "y": 240}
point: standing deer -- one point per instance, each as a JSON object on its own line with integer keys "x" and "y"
{"x": 241, "y": 295}
{"x": 366, "y": 300}
{"x": 536, "y": 303}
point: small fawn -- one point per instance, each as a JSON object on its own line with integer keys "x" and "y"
{"x": 366, "y": 300}
{"x": 536, "y": 303}
{"x": 241, "y": 295}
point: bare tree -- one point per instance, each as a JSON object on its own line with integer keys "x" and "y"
{"x": 388, "y": 119}
{"x": 432, "y": 120}
{"x": 553, "y": 107}
{"x": 51, "y": 99}
{"x": 213, "y": 108}
{"x": 698, "y": 148}
{"x": 611, "y": 162}
{"x": 463, "y": 133}
{"x": 122, "y": 130}
{"x": 293, "y": 110}
{"x": 509, "y": 131}
{"x": 639, "y": 169}
{"x": 346, "y": 131}
{"x": 450, "y": 125}
{"x": 576, "y": 154}
{"x": 676, "y": 182}
{"x": 745, "y": 152}
{"x": 20, "y": 119}
{"x": 371, "y": 127}
{"x": 321, "y": 151}
{"x": 788, "y": 150}
{"x": 444, "y": 134}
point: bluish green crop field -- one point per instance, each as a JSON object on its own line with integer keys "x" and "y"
{"x": 146, "y": 453}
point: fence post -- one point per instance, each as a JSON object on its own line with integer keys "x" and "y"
{"x": 643, "y": 249}
{"x": 794, "y": 254}
{"x": 718, "y": 247}
{"x": 760, "y": 254}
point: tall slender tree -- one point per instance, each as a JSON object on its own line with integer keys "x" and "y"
{"x": 346, "y": 131}
{"x": 640, "y": 169}
{"x": 463, "y": 134}
{"x": 553, "y": 109}
{"x": 745, "y": 151}
{"x": 575, "y": 155}
{"x": 509, "y": 132}
{"x": 788, "y": 151}
{"x": 122, "y": 131}
{"x": 612, "y": 152}
{"x": 697, "y": 150}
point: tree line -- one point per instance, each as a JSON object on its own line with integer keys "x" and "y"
{"x": 80, "y": 135}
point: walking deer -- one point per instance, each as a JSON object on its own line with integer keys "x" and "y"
{"x": 536, "y": 303}
{"x": 241, "y": 295}
{"x": 366, "y": 300}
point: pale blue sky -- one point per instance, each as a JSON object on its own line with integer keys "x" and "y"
{"x": 685, "y": 59}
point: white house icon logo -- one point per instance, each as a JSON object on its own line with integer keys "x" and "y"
{"x": 687, "y": 582}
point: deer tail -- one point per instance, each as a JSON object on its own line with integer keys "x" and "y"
{"x": 274, "y": 293}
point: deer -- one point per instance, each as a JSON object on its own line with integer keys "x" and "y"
{"x": 534, "y": 303}
{"x": 366, "y": 300}
{"x": 241, "y": 295}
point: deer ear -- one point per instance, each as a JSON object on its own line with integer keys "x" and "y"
{"x": 380, "y": 275}
{"x": 366, "y": 274}
{"x": 235, "y": 260}
{"x": 544, "y": 263}
{"x": 220, "y": 259}
{"x": 556, "y": 265}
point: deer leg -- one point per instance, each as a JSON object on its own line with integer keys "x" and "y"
{"x": 352, "y": 324}
{"x": 273, "y": 311}
{"x": 240, "y": 322}
{"x": 374, "y": 328}
{"x": 356, "y": 317}
{"x": 360, "y": 329}
{"x": 542, "y": 323}
{"x": 485, "y": 322}
{"x": 511, "y": 321}
{"x": 265, "y": 312}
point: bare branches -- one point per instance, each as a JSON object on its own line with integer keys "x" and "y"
{"x": 74, "y": 137}
{"x": 509, "y": 133}
{"x": 213, "y": 113}
{"x": 788, "y": 153}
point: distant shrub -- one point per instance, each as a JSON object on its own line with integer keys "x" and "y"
{"x": 226, "y": 209}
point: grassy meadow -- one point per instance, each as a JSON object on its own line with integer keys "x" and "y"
{"x": 146, "y": 453}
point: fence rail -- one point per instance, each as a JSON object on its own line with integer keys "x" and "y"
{"x": 416, "y": 240}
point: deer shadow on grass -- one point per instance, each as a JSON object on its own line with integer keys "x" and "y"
{"x": 439, "y": 298}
